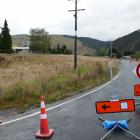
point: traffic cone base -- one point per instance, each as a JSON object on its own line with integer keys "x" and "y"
{"x": 47, "y": 135}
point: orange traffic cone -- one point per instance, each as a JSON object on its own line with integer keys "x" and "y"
{"x": 44, "y": 131}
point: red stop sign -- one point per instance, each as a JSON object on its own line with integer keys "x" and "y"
{"x": 138, "y": 70}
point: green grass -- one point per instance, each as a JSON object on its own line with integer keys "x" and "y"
{"x": 24, "y": 95}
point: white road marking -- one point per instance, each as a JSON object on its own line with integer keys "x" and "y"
{"x": 54, "y": 107}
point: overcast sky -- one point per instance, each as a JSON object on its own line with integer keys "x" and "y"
{"x": 102, "y": 19}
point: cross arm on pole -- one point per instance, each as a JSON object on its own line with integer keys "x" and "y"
{"x": 77, "y": 10}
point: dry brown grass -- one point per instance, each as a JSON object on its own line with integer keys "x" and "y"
{"x": 16, "y": 68}
{"x": 24, "y": 78}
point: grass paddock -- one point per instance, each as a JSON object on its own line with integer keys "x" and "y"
{"x": 24, "y": 79}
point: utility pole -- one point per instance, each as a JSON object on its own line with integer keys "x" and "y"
{"x": 111, "y": 50}
{"x": 75, "y": 44}
{"x": 75, "y": 40}
{"x": 110, "y": 65}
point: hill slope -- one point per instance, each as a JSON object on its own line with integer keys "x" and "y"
{"x": 125, "y": 45}
{"x": 90, "y": 42}
{"x": 128, "y": 44}
{"x": 18, "y": 39}
{"x": 69, "y": 42}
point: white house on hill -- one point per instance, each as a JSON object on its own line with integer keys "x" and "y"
{"x": 22, "y": 48}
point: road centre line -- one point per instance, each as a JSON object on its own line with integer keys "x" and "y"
{"x": 64, "y": 103}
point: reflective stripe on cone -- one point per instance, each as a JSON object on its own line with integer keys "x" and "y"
{"x": 43, "y": 116}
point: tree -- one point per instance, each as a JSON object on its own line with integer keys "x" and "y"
{"x": 5, "y": 39}
{"x": 101, "y": 52}
{"x": 58, "y": 49}
{"x": 65, "y": 50}
{"x": 115, "y": 52}
{"x": 136, "y": 55}
{"x": 128, "y": 52}
{"x": 39, "y": 41}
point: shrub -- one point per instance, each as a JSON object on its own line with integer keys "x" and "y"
{"x": 136, "y": 55}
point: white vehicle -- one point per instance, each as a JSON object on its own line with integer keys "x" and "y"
{"x": 126, "y": 57}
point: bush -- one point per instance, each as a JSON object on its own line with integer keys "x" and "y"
{"x": 136, "y": 55}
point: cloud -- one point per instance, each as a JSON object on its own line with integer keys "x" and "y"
{"x": 102, "y": 19}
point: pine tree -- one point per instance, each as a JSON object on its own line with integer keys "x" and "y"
{"x": 58, "y": 48}
{"x": 6, "y": 41}
{"x": 63, "y": 49}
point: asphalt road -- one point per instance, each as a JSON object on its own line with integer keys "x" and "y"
{"x": 78, "y": 120}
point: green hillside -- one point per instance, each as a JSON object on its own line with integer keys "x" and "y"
{"x": 90, "y": 42}
{"x": 128, "y": 44}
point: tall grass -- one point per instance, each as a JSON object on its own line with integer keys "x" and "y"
{"x": 64, "y": 82}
